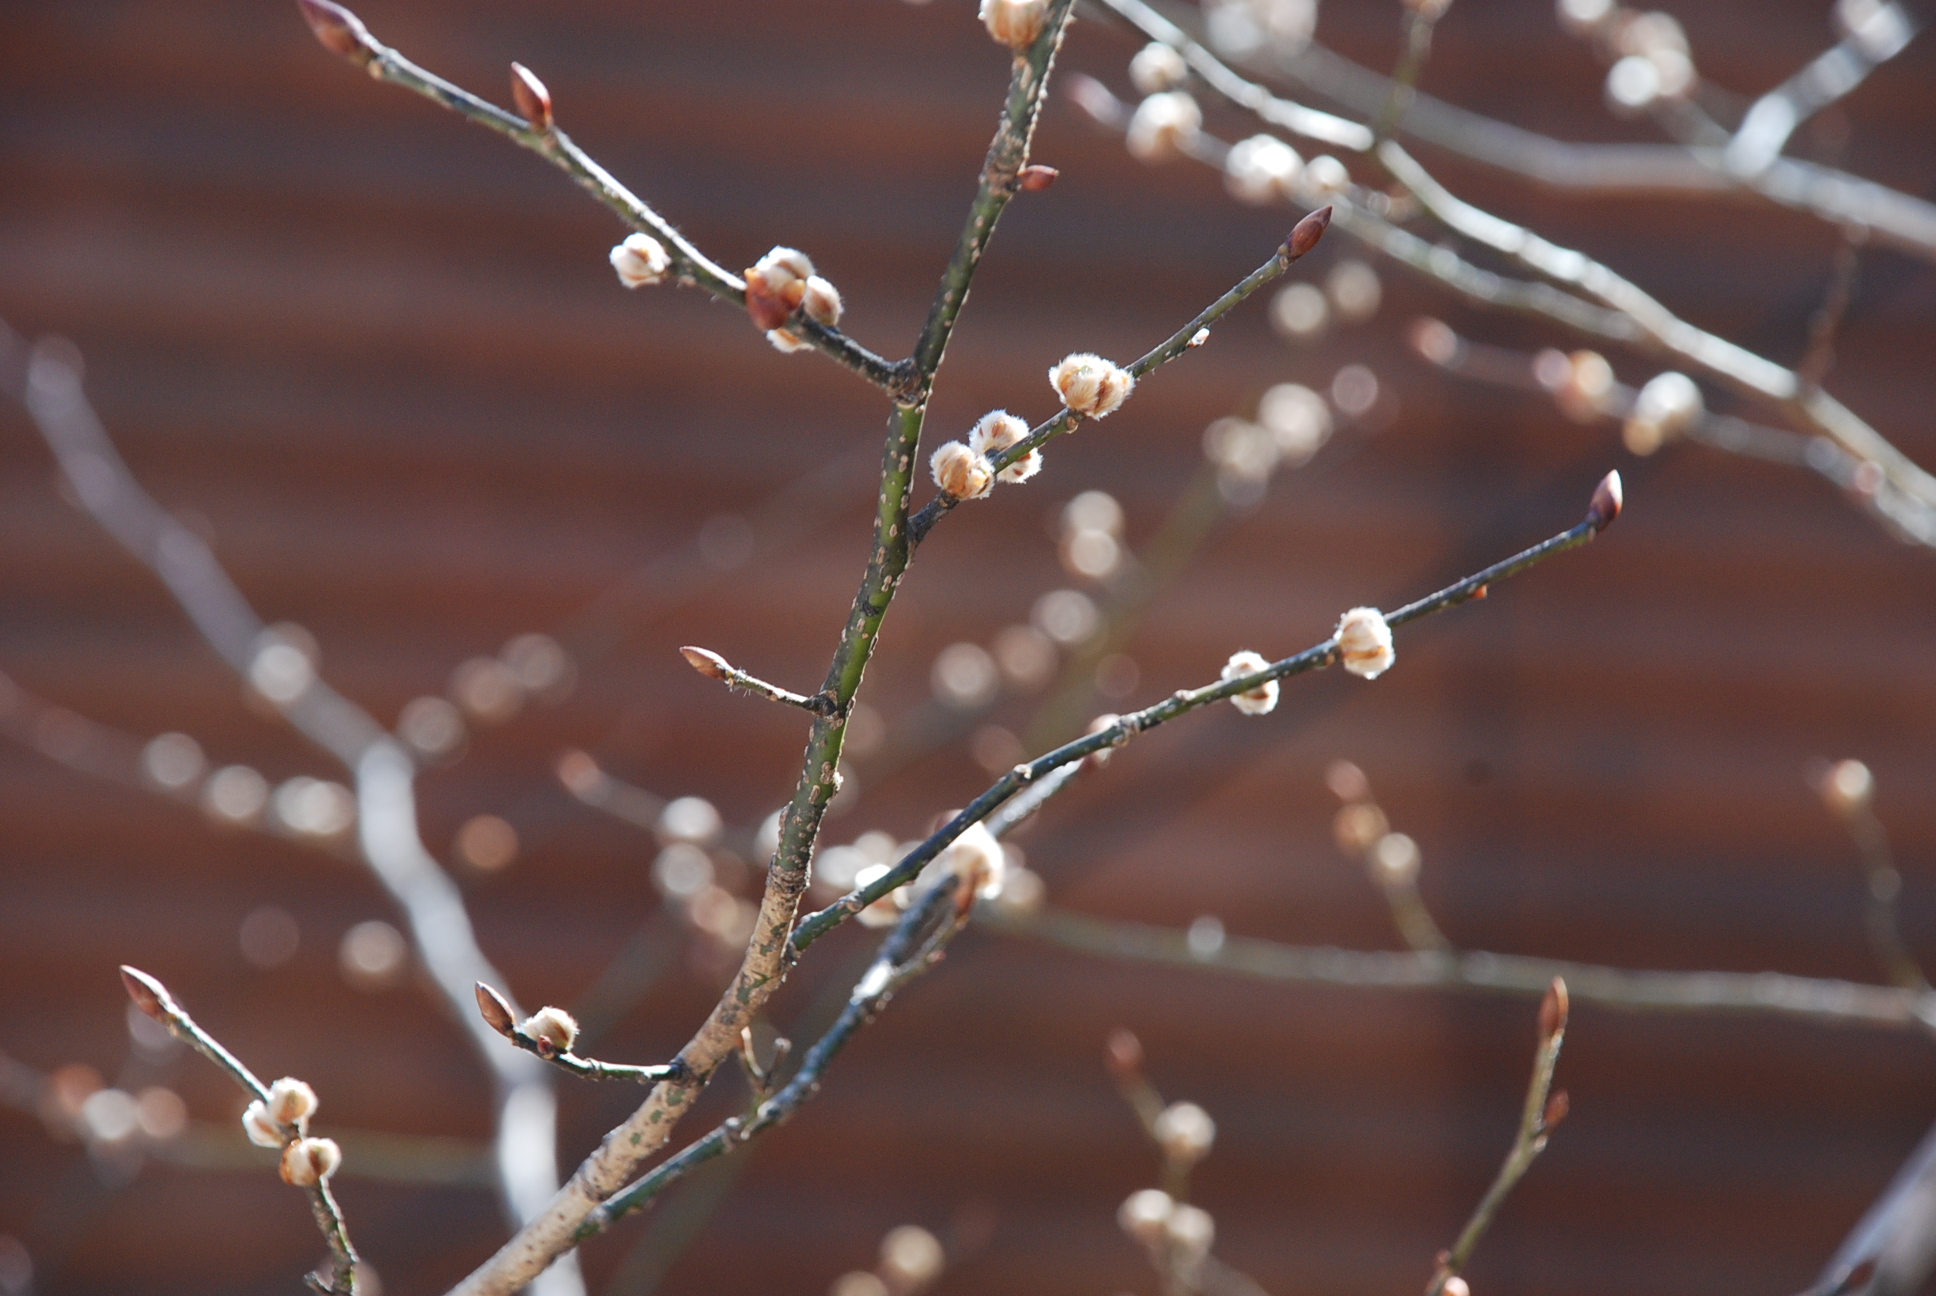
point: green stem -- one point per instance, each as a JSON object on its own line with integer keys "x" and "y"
{"x": 1007, "y": 155}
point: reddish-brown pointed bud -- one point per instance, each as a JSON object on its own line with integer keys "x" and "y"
{"x": 709, "y": 664}
{"x": 1123, "y": 1054}
{"x": 496, "y": 1013}
{"x": 1481, "y": 591}
{"x": 1306, "y": 233}
{"x": 1552, "y": 1010}
{"x": 340, "y": 31}
{"x": 1556, "y": 1108}
{"x": 1034, "y": 179}
{"x": 149, "y": 995}
{"x": 1605, "y": 507}
{"x": 531, "y": 97}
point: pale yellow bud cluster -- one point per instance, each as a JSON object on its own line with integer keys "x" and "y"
{"x": 290, "y": 1105}
{"x": 782, "y": 282}
{"x": 306, "y": 1162}
{"x": 977, "y": 859}
{"x": 1090, "y": 385}
{"x": 1014, "y": 23}
{"x": 1257, "y": 701}
{"x": 1365, "y": 642}
{"x": 997, "y": 431}
{"x": 1262, "y": 170}
{"x": 1666, "y": 407}
{"x": 1156, "y": 68}
{"x": 961, "y": 471}
{"x": 553, "y": 1028}
{"x": 1164, "y": 126}
{"x": 1185, "y": 1132}
{"x": 640, "y": 260}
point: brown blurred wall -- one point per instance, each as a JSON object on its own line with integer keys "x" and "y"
{"x": 379, "y": 355}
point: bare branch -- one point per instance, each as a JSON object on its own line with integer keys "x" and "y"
{"x": 46, "y": 379}
{"x": 1813, "y": 999}
{"x": 813, "y": 926}
{"x": 713, "y": 666}
{"x": 1543, "y": 1111}
{"x": 308, "y": 1163}
{"x": 343, "y": 33}
{"x": 1883, "y": 32}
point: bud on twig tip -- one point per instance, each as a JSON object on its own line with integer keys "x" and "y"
{"x": 1034, "y": 179}
{"x": 1553, "y": 1010}
{"x": 339, "y": 30}
{"x": 709, "y": 664}
{"x": 496, "y": 1013}
{"x": 1306, "y": 233}
{"x": 533, "y": 100}
{"x": 149, "y": 995}
{"x": 1607, "y": 498}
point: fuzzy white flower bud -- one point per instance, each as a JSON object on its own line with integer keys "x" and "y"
{"x": 1257, "y": 701}
{"x": 821, "y": 301}
{"x": 1185, "y": 1132}
{"x": 1365, "y": 642}
{"x": 1090, "y": 385}
{"x": 553, "y": 1027}
{"x": 961, "y": 472}
{"x": 1191, "y": 1231}
{"x": 640, "y": 260}
{"x": 1145, "y": 1216}
{"x": 1014, "y": 23}
{"x": 291, "y": 1102}
{"x": 775, "y": 286}
{"x": 997, "y": 431}
{"x": 886, "y": 911}
{"x": 1848, "y": 787}
{"x": 976, "y": 858}
{"x": 1262, "y": 169}
{"x": 308, "y": 1161}
{"x": 1666, "y": 407}
{"x": 1397, "y": 858}
{"x": 1324, "y": 178}
{"x": 1455, "y": 1286}
{"x": 1157, "y": 68}
{"x": 1164, "y": 125}
{"x": 261, "y": 1130}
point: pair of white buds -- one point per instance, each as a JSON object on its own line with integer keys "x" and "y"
{"x": 1087, "y": 384}
{"x": 782, "y": 282}
{"x": 965, "y": 471}
{"x": 1364, "y": 648}
{"x": 305, "y": 1161}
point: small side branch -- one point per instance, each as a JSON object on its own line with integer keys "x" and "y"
{"x": 307, "y": 1162}
{"x": 550, "y": 1033}
{"x": 1848, "y": 789}
{"x": 1820, "y": 1001}
{"x": 713, "y": 666}
{"x": 1544, "y": 1110}
{"x": 1604, "y": 508}
{"x": 342, "y": 32}
{"x": 1303, "y": 237}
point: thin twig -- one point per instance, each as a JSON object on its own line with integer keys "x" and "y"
{"x": 1543, "y": 1111}
{"x": 1820, "y": 356}
{"x": 1164, "y": 352}
{"x": 152, "y": 997}
{"x": 1735, "y": 366}
{"x": 813, "y": 926}
{"x": 48, "y": 383}
{"x": 763, "y": 966}
{"x": 1813, "y": 999}
{"x": 1904, "y": 222}
{"x": 1848, "y": 789}
{"x": 343, "y": 33}
{"x": 1007, "y": 154}
{"x": 713, "y": 666}
{"x": 1425, "y": 15}
{"x": 1884, "y": 32}
{"x": 908, "y": 952}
